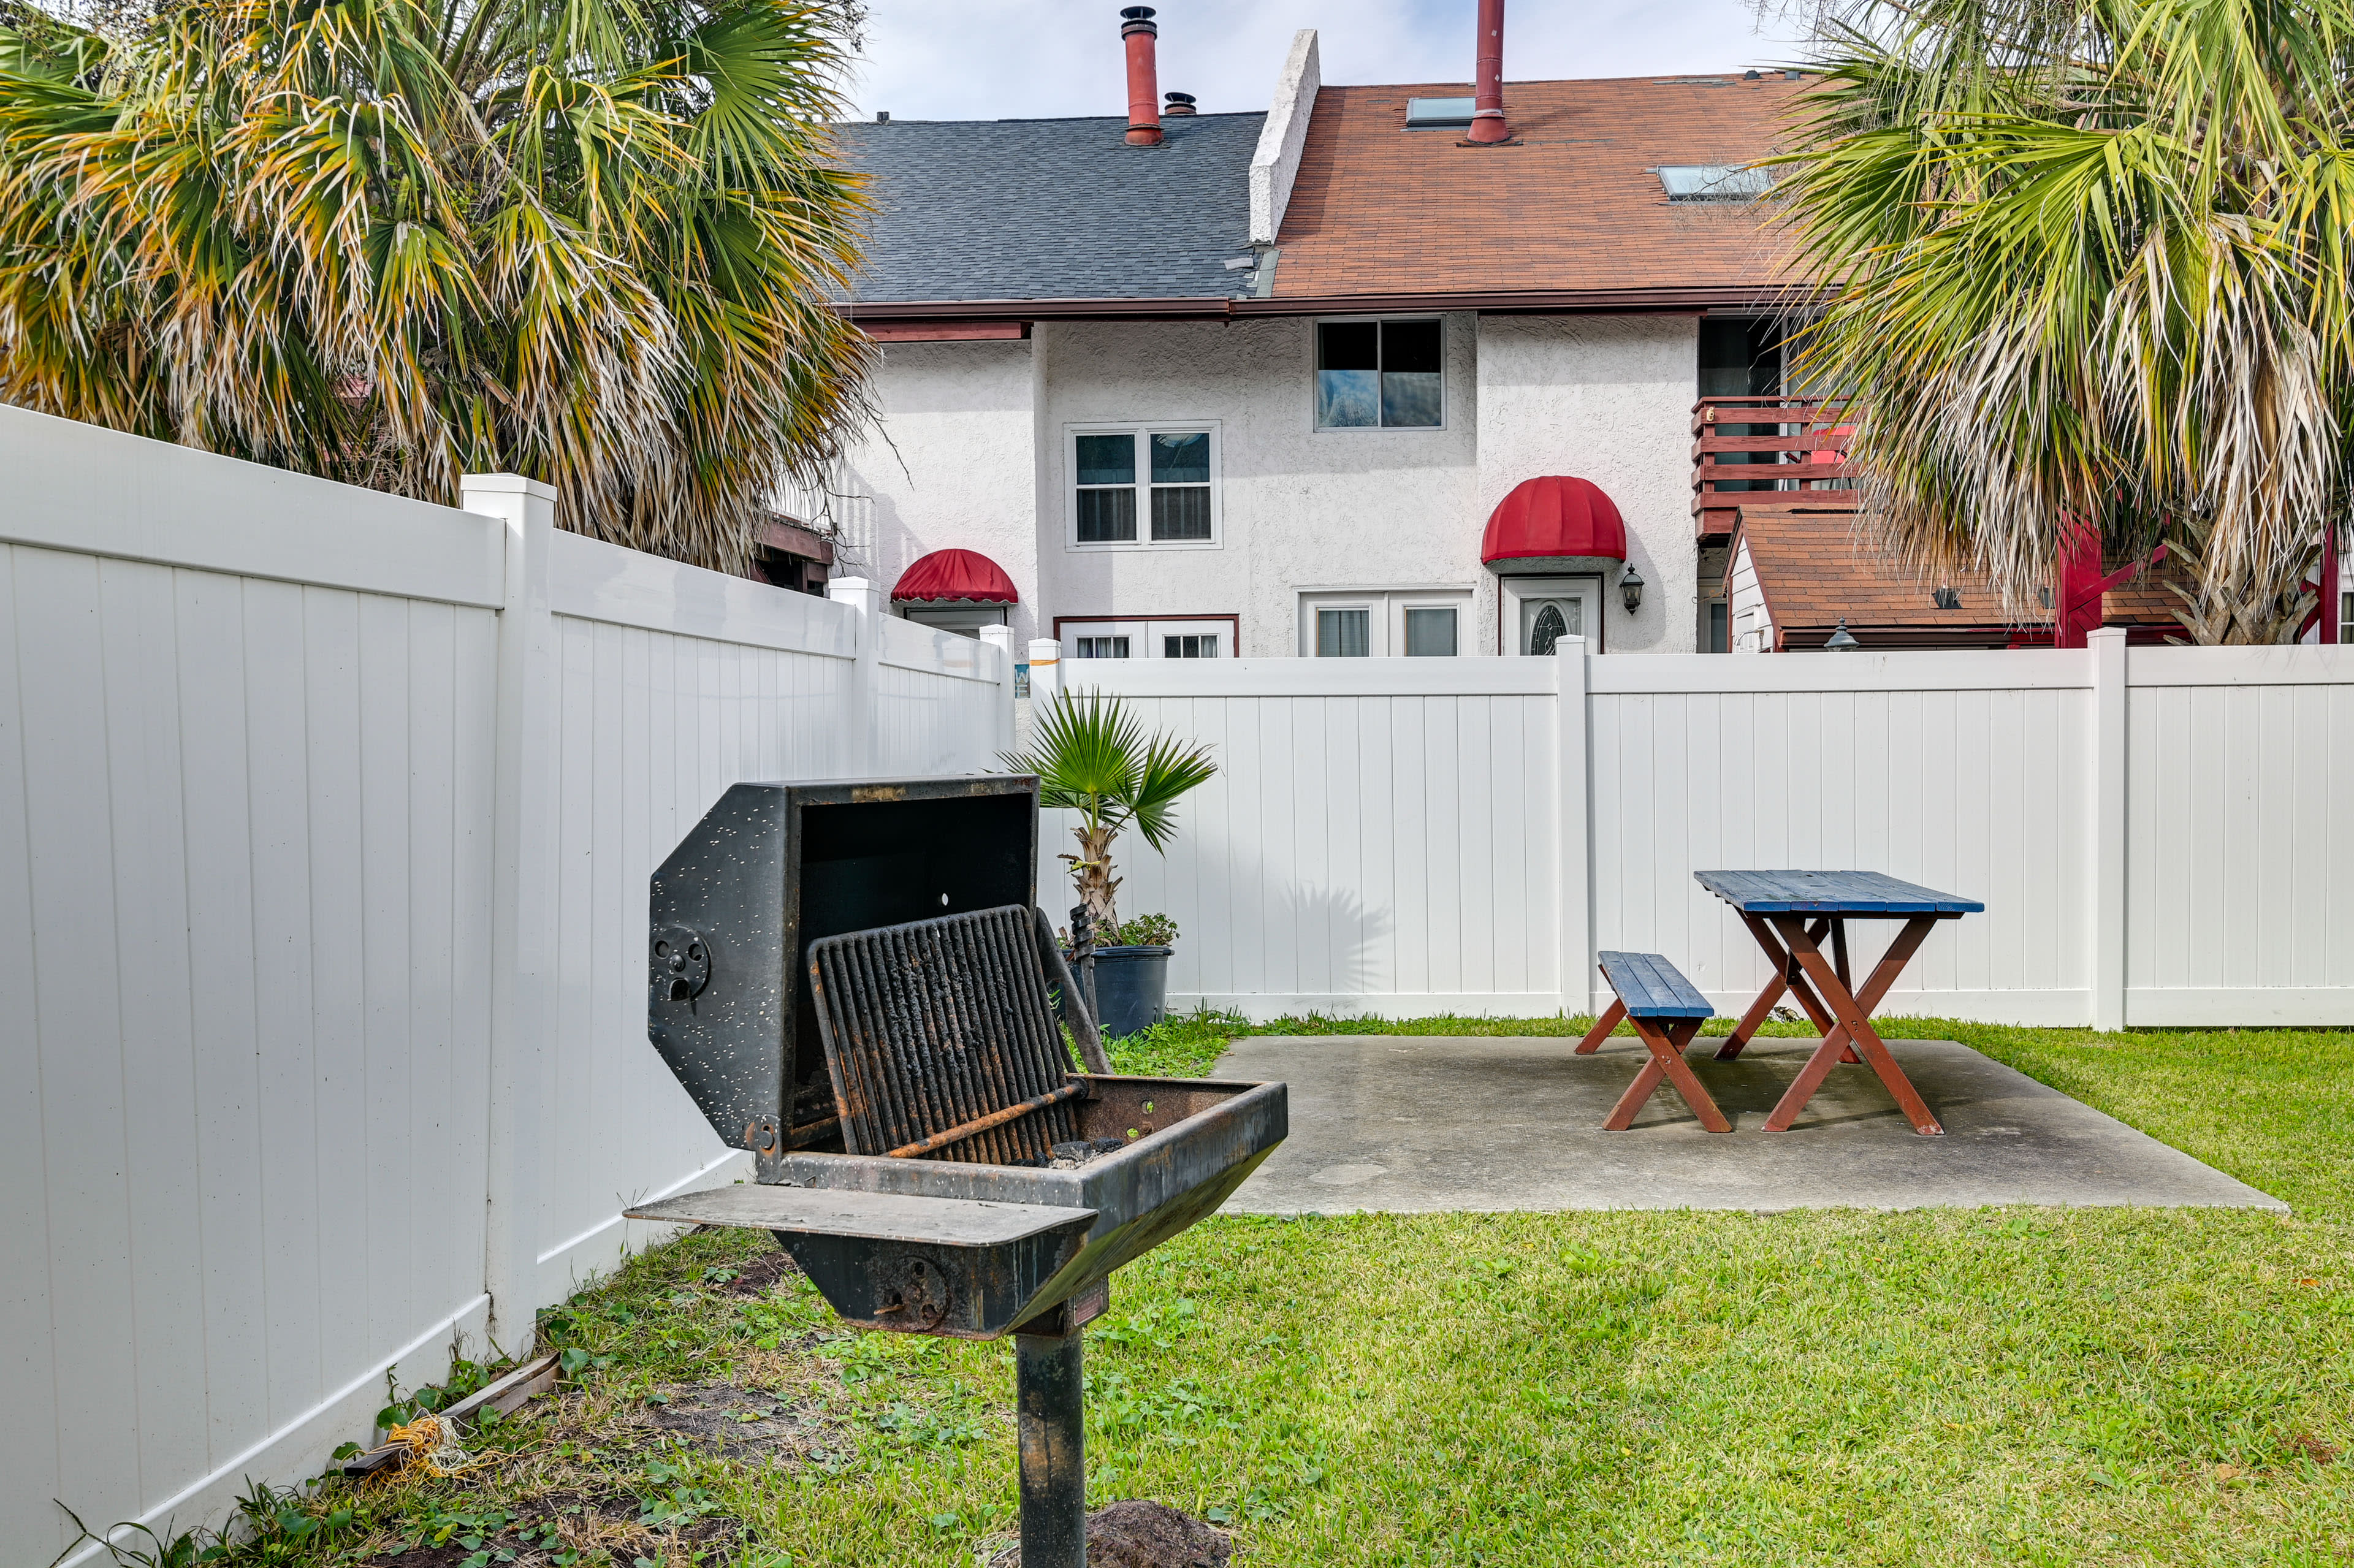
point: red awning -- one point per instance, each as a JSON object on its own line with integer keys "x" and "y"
{"x": 1554, "y": 516}
{"x": 956, "y": 573}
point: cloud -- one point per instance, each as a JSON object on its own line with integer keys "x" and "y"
{"x": 1012, "y": 59}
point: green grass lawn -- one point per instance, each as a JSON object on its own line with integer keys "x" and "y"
{"x": 2010, "y": 1385}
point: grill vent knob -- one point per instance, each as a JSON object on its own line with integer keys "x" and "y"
{"x": 682, "y": 963}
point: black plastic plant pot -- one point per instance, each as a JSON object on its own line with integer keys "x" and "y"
{"x": 1131, "y": 987}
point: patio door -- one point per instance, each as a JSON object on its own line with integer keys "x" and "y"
{"x": 1540, "y": 612}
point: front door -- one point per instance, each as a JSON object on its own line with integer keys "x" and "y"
{"x": 1540, "y": 612}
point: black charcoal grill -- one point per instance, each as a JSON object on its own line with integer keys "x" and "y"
{"x": 859, "y": 993}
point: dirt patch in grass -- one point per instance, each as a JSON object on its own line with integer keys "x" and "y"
{"x": 1134, "y": 1534}
{"x": 750, "y": 1425}
{"x": 758, "y": 1275}
{"x": 612, "y": 1522}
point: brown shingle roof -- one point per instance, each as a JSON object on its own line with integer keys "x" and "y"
{"x": 1815, "y": 571}
{"x": 1379, "y": 210}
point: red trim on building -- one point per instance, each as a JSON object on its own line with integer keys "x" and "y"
{"x": 2332, "y": 584}
{"x": 944, "y": 332}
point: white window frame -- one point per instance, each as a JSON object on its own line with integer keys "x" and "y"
{"x": 1385, "y": 616}
{"x": 1144, "y": 632}
{"x": 1445, "y": 400}
{"x": 1139, "y": 428}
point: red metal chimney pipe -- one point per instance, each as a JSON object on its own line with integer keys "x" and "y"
{"x": 1488, "y": 77}
{"x": 1137, "y": 31}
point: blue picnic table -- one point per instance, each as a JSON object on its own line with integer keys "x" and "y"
{"x": 1789, "y": 913}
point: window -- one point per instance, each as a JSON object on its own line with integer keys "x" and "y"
{"x": 1430, "y": 632}
{"x": 1422, "y": 113}
{"x": 1144, "y": 486}
{"x": 2346, "y": 618}
{"x": 1377, "y": 624}
{"x": 1343, "y": 633}
{"x": 1107, "y": 468}
{"x": 1150, "y": 637}
{"x": 1379, "y": 375}
{"x": 1714, "y": 182}
{"x": 1720, "y": 636}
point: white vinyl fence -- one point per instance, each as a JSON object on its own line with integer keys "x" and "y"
{"x": 325, "y": 823}
{"x": 2160, "y": 835}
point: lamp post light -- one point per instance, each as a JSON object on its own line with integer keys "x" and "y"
{"x": 1630, "y": 589}
{"x": 1840, "y": 641}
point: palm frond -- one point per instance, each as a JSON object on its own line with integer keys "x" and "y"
{"x": 2091, "y": 270}
{"x": 587, "y": 240}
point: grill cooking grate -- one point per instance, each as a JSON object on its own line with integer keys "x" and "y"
{"x": 941, "y": 1042}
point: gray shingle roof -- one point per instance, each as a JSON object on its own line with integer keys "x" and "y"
{"x": 1053, "y": 209}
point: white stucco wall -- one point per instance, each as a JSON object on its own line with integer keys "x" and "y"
{"x": 1606, "y": 399}
{"x": 952, "y": 465}
{"x": 972, "y": 452}
{"x": 1302, "y": 508}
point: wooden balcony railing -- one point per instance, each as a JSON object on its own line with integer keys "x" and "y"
{"x": 1775, "y": 451}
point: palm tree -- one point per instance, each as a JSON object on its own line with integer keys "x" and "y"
{"x": 1091, "y": 755}
{"x": 2089, "y": 266}
{"x": 395, "y": 241}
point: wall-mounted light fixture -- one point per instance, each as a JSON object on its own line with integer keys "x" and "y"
{"x": 1630, "y": 589}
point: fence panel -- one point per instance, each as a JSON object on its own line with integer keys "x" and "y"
{"x": 253, "y": 772}
{"x": 672, "y": 683}
{"x": 937, "y": 706}
{"x": 1961, "y": 772}
{"x": 1378, "y": 835}
{"x": 2240, "y": 846}
{"x": 244, "y": 835}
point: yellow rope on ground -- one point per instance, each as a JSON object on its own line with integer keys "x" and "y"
{"x": 434, "y": 1446}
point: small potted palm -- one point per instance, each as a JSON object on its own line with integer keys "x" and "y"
{"x": 1092, "y": 756}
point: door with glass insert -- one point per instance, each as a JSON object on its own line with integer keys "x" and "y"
{"x": 1539, "y": 612}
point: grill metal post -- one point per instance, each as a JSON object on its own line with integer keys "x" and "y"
{"x": 1049, "y": 1389}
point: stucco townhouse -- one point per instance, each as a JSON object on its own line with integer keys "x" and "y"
{"x": 1332, "y": 379}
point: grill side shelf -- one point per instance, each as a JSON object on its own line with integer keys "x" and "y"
{"x": 865, "y": 1216}
{"x": 965, "y": 1267}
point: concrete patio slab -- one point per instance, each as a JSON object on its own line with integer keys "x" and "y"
{"x": 1416, "y": 1124}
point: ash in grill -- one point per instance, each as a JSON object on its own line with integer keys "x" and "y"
{"x": 982, "y": 1185}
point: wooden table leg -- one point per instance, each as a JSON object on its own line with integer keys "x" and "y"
{"x": 1839, "y": 953}
{"x": 1612, "y": 1016}
{"x": 1787, "y": 977}
{"x": 1853, "y": 1013}
{"x": 1667, "y": 1048}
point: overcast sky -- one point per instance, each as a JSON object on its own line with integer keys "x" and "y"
{"x": 990, "y": 59}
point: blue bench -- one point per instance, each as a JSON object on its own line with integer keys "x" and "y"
{"x": 1667, "y": 1011}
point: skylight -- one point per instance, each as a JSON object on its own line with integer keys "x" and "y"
{"x": 1435, "y": 112}
{"x": 1714, "y": 182}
